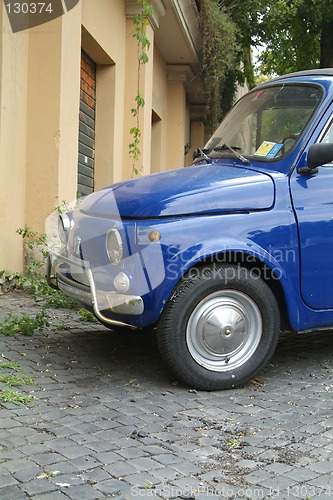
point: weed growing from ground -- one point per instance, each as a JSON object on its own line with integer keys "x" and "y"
{"x": 132, "y": 383}
{"x": 233, "y": 443}
{"x": 24, "y": 324}
{"x": 36, "y": 284}
{"x": 87, "y": 316}
{"x": 16, "y": 380}
{"x": 9, "y": 365}
{"x": 13, "y": 379}
{"x": 4, "y": 273}
{"x": 47, "y": 474}
{"x": 9, "y": 396}
{"x": 33, "y": 279}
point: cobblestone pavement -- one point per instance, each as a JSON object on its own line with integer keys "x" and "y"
{"x": 109, "y": 421}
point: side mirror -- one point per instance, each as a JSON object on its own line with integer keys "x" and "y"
{"x": 196, "y": 153}
{"x": 318, "y": 154}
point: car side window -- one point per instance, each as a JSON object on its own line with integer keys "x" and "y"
{"x": 328, "y": 137}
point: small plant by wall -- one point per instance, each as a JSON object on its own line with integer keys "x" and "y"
{"x": 33, "y": 278}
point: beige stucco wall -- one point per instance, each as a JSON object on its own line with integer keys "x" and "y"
{"x": 13, "y": 140}
{"x": 104, "y": 39}
{"x": 176, "y": 127}
{"x": 107, "y": 26}
{"x": 159, "y": 153}
{"x": 52, "y": 120}
{"x": 40, "y": 97}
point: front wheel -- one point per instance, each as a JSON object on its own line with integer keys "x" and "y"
{"x": 219, "y": 327}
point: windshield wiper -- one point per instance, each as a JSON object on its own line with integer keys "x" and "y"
{"x": 234, "y": 152}
{"x": 202, "y": 152}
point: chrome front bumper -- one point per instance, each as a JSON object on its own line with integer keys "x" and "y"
{"x": 100, "y": 301}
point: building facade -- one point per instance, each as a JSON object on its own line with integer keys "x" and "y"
{"x": 66, "y": 92}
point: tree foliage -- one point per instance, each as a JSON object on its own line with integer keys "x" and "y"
{"x": 293, "y": 35}
{"x": 296, "y": 34}
{"x": 218, "y": 56}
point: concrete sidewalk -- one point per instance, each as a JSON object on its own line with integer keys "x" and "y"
{"x": 109, "y": 421}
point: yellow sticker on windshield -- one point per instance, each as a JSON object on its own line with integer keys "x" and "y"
{"x": 264, "y": 148}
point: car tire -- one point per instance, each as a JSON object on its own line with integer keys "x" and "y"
{"x": 219, "y": 327}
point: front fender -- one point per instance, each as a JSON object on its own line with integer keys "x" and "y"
{"x": 220, "y": 239}
{"x": 260, "y": 262}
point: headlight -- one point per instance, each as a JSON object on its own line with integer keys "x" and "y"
{"x": 64, "y": 225}
{"x": 114, "y": 246}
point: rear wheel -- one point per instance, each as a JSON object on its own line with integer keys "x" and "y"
{"x": 219, "y": 327}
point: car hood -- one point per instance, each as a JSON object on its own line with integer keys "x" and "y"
{"x": 196, "y": 190}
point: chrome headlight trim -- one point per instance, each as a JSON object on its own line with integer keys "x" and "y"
{"x": 114, "y": 246}
{"x": 64, "y": 224}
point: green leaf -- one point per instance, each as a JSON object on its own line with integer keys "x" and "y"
{"x": 140, "y": 101}
{"x": 144, "y": 58}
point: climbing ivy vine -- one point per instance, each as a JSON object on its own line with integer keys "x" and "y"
{"x": 140, "y": 22}
{"x": 218, "y": 56}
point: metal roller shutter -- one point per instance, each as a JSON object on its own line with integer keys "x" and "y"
{"x": 87, "y": 125}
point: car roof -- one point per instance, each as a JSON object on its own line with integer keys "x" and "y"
{"x": 309, "y": 72}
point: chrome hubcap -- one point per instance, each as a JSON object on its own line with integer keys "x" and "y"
{"x": 224, "y": 330}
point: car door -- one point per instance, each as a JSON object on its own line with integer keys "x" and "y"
{"x": 312, "y": 197}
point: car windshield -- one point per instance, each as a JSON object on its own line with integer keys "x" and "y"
{"x": 266, "y": 123}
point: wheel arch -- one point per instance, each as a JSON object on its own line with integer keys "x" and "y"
{"x": 260, "y": 268}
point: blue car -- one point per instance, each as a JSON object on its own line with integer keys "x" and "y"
{"x": 225, "y": 254}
